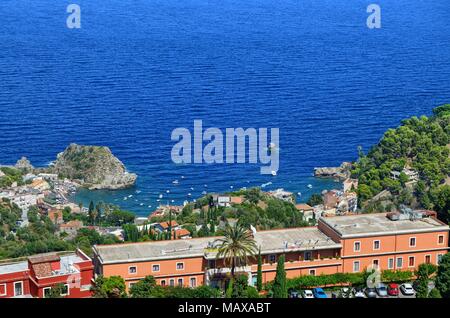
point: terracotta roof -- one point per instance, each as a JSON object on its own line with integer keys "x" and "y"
{"x": 303, "y": 206}
{"x": 165, "y": 225}
{"x": 42, "y": 269}
{"x": 237, "y": 200}
{"x": 181, "y": 232}
{"x": 73, "y": 223}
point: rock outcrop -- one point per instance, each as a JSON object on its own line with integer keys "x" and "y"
{"x": 339, "y": 173}
{"x": 24, "y": 164}
{"x": 95, "y": 166}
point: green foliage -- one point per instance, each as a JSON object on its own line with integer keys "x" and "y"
{"x": 147, "y": 288}
{"x": 443, "y": 276}
{"x": 259, "y": 278}
{"x": 434, "y": 293}
{"x": 315, "y": 199}
{"x": 279, "y": 285}
{"x": 11, "y": 175}
{"x": 420, "y": 144}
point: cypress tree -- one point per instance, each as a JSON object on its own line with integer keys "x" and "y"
{"x": 259, "y": 273}
{"x": 279, "y": 285}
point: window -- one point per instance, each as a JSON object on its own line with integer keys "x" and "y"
{"x": 155, "y": 268}
{"x": 356, "y": 266}
{"x": 272, "y": 258}
{"x": 47, "y": 291}
{"x": 172, "y": 282}
{"x": 211, "y": 263}
{"x": 412, "y": 242}
{"x": 2, "y": 289}
{"x": 132, "y": 270}
{"x": 312, "y": 272}
{"x": 180, "y": 282}
{"x": 163, "y": 282}
{"x": 376, "y": 245}
{"x": 65, "y": 290}
{"x": 390, "y": 263}
{"x": 411, "y": 261}
{"x": 376, "y": 263}
{"x": 308, "y": 256}
{"x": 441, "y": 239}
{"x": 18, "y": 288}
{"x": 193, "y": 282}
{"x": 439, "y": 258}
{"x": 428, "y": 259}
{"x": 180, "y": 266}
{"x": 399, "y": 262}
{"x": 356, "y": 246}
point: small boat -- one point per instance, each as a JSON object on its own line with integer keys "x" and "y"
{"x": 160, "y": 196}
{"x": 182, "y": 177}
{"x": 309, "y": 186}
{"x": 231, "y": 187}
{"x": 204, "y": 192}
{"x": 125, "y": 198}
{"x": 192, "y": 188}
{"x": 299, "y": 193}
{"x": 172, "y": 201}
{"x": 149, "y": 206}
{"x": 157, "y": 200}
{"x": 175, "y": 181}
{"x": 189, "y": 194}
{"x": 138, "y": 191}
{"x": 141, "y": 204}
{"x": 167, "y": 191}
{"x": 206, "y": 185}
{"x": 130, "y": 196}
{"x": 274, "y": 173}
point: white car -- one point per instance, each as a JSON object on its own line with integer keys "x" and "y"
{"x": 307, "y": 293}
{"x": 407, "y": 289}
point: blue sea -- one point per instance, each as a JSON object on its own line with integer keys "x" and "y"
{"x": 138, "y": 69}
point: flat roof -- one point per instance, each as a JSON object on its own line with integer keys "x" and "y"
{"x": 273, "y": 241}
{"x": 378, "y": 224}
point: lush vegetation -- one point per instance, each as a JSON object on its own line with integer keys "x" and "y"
{"x": 11, "y": 175}
{"x": 443, "y": 276}
{"x": 279, "y": 287}
{"x": 423, "y": 274}
{"x": 419, "y": 144}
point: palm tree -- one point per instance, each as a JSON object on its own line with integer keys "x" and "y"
{"x": 236, "y": 246}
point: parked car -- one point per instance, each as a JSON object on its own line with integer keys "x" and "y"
{"x": 319, "y": 293}
{"x": 381, "y": 290}
{"x": 345, "y": 292}
{"x": 370, "y": 292}
{"x": 307, "y": 293}
{"x": 407, "y": 289}
{"x": 293, "y": 293}
{"x": 358, "y": 293}
{"x": 392, "y": 290}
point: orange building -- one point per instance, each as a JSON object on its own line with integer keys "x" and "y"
{"x": 338, "y": 244}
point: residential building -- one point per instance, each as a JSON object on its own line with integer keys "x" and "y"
{"x": 306, "y": 210}
{"x": 36, "y": 276}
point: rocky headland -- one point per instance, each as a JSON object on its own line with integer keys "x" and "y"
{"x": 340, "y": 173}
{"x": 95, "y": 166}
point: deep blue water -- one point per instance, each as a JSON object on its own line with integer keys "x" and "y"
{"x": 138, "y": 69}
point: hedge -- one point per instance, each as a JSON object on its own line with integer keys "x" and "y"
{"x": 309, "y": 281}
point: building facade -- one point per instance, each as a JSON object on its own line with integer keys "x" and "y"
{"x": 36, "y": 276}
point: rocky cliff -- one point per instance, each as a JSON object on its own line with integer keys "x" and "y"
{"x": 95, "y": 166}
{"x": 340, "y": 173}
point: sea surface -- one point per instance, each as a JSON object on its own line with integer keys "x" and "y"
{"x": 137, "y": 69}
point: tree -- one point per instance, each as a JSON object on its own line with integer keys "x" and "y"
{"x": 279, "y": 285}
{"x": 57, "y": 291}
{"x": 109, "y": 287}
{"x": 423, "y": 274}
{"x": 259, "y": 272}
{"x": 443, "y": 276}
{"x": 236, "y": 246}
{"x": 315, "y": 199}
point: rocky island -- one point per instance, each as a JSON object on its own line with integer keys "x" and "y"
{"x": 95, "y": 166}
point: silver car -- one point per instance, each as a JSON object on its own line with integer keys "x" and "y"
{"x": 407, "y": 289}
{"x": 381, "y": 290}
